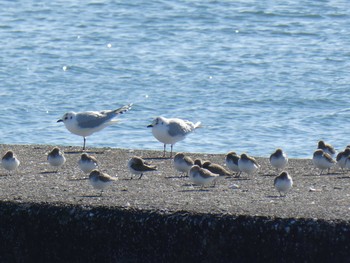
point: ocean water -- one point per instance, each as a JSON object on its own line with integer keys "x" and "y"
{"x": 257, "y": 74}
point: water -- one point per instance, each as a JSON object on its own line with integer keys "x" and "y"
{"x": 258, "y": 74}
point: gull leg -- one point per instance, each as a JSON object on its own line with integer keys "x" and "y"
{"x": 84, "y": 143}
{"x": 164, "y": 150}
{"x": 140, "y": 176}
{"x": 171, "y": 152}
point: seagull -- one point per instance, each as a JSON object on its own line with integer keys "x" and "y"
{"x": 283, "y": 183}
{"x": 247, "y": 164}
{"x": 170, "y": 131}
{"x": 56, "y": 157}
{"x": 231, "y": 160}
{"x": 87, "y": 163}
{"x": 183, "y": 163}
{"x": 201, "y": 176}
{"x": 322, "y": 160}
{"x": 89, "y": 122}
{"x": 279, "y": 159}
{"x": 138, "y": 166}
{"x": 9, "y": 161}
{"x": 100, "y": 180}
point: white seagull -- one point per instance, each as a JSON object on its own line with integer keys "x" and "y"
{"x": 89, "y": 122}
{"x": 170, "y": 131}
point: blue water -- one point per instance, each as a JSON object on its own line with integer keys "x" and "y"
{"x": 257, "y": 74}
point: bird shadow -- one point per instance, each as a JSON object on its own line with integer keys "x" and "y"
{"x": 343, "y": 177}
{"x": 175, "y": 177}
{"x": 269, "y": 175}
{"x": 78, "y": 179}
{"x": 91, "y": 196}
{"x": 49, "y": 172}
{"x": 275, "y": 196}
{"x": 194, "y": 190}
{"x": 241, "y": 178}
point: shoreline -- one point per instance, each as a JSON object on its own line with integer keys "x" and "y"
{"x": 313, "y": 196}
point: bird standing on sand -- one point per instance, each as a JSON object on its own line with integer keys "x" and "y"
{"x": 247, "y": 164}
{"x": 342, "y": 157}
{"x": 138, "y": 166}
{"x": 171, "y": 131}
{"x": 283, "y": 183}
{"x": 216, "y": 168}
{"x": 201, "y": 176}
{"x": 322, "y": 160}
{"x": 183, "y": 163}
{"x": 100, "y": 180}
{"x": 9, "y": 161}
{"x": 231, "y": 160}
{"x": 56, "y": 157}
{"x": 279, "y": 159}
{"x": 87, "y": 163}
{"x": 327, "y": 148}
{"x": 89, "y": 122}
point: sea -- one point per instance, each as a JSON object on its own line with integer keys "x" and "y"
{"x": 259, "y": 75}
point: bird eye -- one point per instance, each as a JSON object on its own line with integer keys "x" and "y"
{"x": 66, "y": 118}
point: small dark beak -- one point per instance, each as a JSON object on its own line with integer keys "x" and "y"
{"x": 150, "y": 126}
{"x": 60, "y": 120}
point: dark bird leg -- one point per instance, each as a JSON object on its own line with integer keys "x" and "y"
{"x": 84, "y": 143}
{"x": 164, "y": 150}
{"x": 171, "y": 152}
{"x": 140, "y": 176}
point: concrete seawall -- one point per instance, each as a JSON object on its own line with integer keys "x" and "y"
{"x": 57, "y": 217}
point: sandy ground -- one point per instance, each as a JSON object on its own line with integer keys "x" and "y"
{"x": 313, "y": 195}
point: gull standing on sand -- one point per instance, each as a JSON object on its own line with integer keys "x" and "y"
{"x": 327, "y": 148}
{"x": 100, "y": 180}
{"x": 283, "y": 183}
{"x": 183, "y": 163}
{"x": 279, "y": 159}
{"x": 87, "y": 163}
{"x": 322, "y": 160}
{"x": 201, "y": 176}
{"x": 56, "y": 157}
{"x": 231, "y": 160}
{"x": 138, "y": 166}
{"x": 89, "y": 122}
{"x": 170, "y": 131}
{"x": 9, "y": 161}
{"x": 247, "y": 164}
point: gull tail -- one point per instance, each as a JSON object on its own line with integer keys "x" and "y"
{"x": 198, "y": 125}
{"x": 123, "y": 109}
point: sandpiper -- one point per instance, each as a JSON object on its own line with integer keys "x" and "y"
{"x": 247, "y": 164}
{"x": 342, "y": 157}
{"x": 100, "y": 180}
{"x": 56, "y": 157}
{"x": 283, "y": 183}
{"x": 327, "y": 148}
{"x": 9, "y": 161}
{"x": 138, "y": 166}
{"x": 216, "y": 168}
{"x": 322, "y": 160}
{"x": 183, "y": 163}
{"x": 87, "y": 163}
{"x": 201, "y": 176}
{"x": 279, "y": 159}
{"x": 231, "y": 160}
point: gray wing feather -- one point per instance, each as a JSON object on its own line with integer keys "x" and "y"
{"x": 91, "y": 119}
{"x": 176, "y": 129}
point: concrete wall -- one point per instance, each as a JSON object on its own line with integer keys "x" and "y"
{"x": 67, "y": 233}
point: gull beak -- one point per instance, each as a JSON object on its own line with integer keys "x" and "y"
{"x": 60, "y": 120}
{"x": 150, "y": 126}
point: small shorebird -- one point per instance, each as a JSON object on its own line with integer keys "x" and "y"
{"x": 327, "y": 148}
{"x": 322, "y": 160}
{"x": 247, "y": 164}
{"x": 231, "y": 160}
{"x": 342, "y": 157}
{"x": 89, "y": 122}
{"x": 198, "y": 162}
{"x": 201, "y": 176}
{"x": 138, "y": 166}
{"x": 279, "y": 159}
{"x": 283, "y": 183}
{"x": 183, "y": 163}
{"x": 171, "y": 131}
{"x": 87, "y": 163}
{"x": 56, "y": 158}
{"x": 9, "y": 161}
{"x": 100, "y": 180}
{"x": 216, "y": 168}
